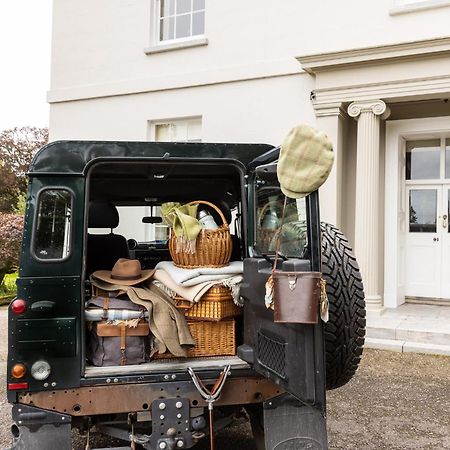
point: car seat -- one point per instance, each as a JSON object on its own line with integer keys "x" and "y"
{"x": 103, "y": 250}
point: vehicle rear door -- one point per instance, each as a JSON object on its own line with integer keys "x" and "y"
{"x": 292, "y": 355}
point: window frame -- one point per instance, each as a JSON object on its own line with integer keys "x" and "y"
{"x": 35, "y": 221}
{"x": 158, "y": 46}
{"x": 157, "y": 24}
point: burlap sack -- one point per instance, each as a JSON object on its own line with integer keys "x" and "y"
{"x": 306, "y": 159}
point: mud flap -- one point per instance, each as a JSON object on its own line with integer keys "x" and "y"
{"x": 38, "y": 429}
{"x": 289, "y": 425}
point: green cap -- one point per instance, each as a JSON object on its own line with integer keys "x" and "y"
{"x": 306, "y": 159}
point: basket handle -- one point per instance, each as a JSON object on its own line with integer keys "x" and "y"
{"x": 204, "y": 202}
{"x": 266, "y": 207}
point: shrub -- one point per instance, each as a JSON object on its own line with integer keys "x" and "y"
{"x": 11, "y": 226}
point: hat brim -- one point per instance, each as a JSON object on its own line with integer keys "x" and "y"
{"x": 105, "y": 275}
{"x": 292, "y": 194}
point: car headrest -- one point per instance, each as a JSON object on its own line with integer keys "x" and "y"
{"x": 103, "y": 215}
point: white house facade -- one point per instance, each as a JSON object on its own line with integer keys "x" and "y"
{"x": 375, "y": 76}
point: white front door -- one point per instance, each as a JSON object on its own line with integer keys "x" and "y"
{"x": 427, "y": 264}
{"x": 445, "y": 239}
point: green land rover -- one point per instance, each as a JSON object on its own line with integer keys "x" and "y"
{"x": 276, "y": 375}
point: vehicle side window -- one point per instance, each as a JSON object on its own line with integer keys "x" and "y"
{"x": 52, "y": 237}
{"x": 269, "y": 220}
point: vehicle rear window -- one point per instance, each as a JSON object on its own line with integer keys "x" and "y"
{"x": 52, "y": 236}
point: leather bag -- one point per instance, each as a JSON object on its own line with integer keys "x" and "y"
{"x": 296, "y": 295}
{"x": 117, "y": 343}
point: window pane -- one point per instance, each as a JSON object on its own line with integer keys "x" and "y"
{"x": 183, "y": 26}
{"x": 166, "y": 30}
{"x": 269, "y": 220}
{"x": 167, "y": 8}
{"x": 52, "y": 237}
{"x": 199, "y": 4}
{"x": 422, "y": 210}
{"x": 198, "y": 23}
{"x": 183, "y": 6}
{"x": 423, "y": 159}
{"x": 447, "y": 158}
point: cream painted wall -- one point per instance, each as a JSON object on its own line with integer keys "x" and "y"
{"x": 256, "y": 111}
{"x": 102, "y": 42}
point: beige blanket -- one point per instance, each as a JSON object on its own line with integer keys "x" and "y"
{"x": 191, "y": 293}
{"x": 166, "y": 323}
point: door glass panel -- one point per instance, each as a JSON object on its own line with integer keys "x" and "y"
{"x": 422, "y": 210}
{"x": 423, "y": 159}
{"x": 447, "y": 158}
{"x": 293, "y": 233}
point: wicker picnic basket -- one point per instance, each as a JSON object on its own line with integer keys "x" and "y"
{"x": 213, "y": 247}
{"x": 215, "y": 305}
{"x": 211, "y": 339}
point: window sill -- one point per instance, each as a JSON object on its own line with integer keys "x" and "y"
{"x": 175, "y": 46}
{"x": 418, "y": 6}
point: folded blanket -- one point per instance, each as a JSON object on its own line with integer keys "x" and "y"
{"x": 96, "y": 314}
{"x": 191, "y": 293}
{"x": 189, "y": 277}
{"x": 194, "y": 293}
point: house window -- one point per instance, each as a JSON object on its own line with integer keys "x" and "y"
{"x": 180, "y": 19}
{"x": 185, "y": 130}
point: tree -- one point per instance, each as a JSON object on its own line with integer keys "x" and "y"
{"x": 11, "y": 226}
{"x": 17, "y": 148}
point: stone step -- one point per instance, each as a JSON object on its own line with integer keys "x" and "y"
{"x": 407, "y": 346}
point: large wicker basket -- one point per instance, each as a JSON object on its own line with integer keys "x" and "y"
{"x": 213, "y": 247}
{"x": 211, "y": 339}
{"x": 215, "y": 305}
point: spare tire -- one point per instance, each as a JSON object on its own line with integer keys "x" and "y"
{"x": 346, "y": 327}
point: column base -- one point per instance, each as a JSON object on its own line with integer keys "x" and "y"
{"x": 374, "y": 305}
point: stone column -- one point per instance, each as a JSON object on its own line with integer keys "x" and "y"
{"x": 367, "y": 234}
{"x": 330, "y": 119}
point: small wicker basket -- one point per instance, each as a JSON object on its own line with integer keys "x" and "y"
{"x": 215, "y": 305}
{"x": 213, "y": 247}
{"x": 211, "y": 339}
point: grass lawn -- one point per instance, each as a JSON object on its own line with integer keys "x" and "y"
{"x": 8, "y": 288}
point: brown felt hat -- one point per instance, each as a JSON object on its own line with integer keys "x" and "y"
{"x": 126, "y": 272}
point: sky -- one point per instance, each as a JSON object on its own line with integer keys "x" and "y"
{"x": 25, "y": 49}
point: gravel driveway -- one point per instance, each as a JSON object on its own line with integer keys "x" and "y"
{"x": 396, "y": 401}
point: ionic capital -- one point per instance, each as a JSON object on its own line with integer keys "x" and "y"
{"x": 376, "y": 107}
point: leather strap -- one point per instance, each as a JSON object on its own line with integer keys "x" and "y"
{"x": 105, "y": 307}
{"x": 277, "y": 249}
{"x": 123, "y": 343}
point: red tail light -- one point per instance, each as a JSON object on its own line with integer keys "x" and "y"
{"x": 17, "y": 386}
{"x": 18, "y": 306}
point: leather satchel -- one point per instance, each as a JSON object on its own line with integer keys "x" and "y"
{"x": 296, "y": 295}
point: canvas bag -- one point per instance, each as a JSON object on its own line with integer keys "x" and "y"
{"x": 116, "y": 343}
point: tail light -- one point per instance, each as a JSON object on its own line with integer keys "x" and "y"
{"x": 18, "y": 370}
{"x": 18, "y": 306}
{"x": 17, "y": 386}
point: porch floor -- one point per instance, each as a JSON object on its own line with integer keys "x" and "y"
{"x": 411, "y": 327}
